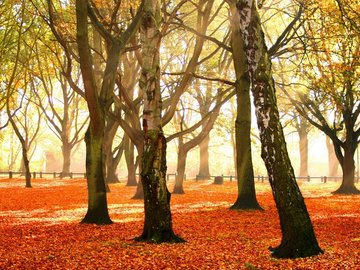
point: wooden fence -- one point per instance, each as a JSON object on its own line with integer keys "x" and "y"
{"x": 170, "y": 176}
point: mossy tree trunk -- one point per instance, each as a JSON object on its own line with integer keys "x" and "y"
{"x": 158, "y": 222}
{"x": 97, "y": 212}
{"x": 244, "y": 167}
{"x": 298, "y": 237}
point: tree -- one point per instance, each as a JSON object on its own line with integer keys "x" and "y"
{"x": 298, "y": 237}
{"x": 245, "y": 174}
{"x": 99, "y": 102}
{"x": 21, "y": 34}
{"x": 158, "y": 222}
{"x": 66, "y": 121}
{"x": 329, "y": 98}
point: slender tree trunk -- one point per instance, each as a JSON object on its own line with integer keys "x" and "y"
{"x": 333, "y": 163}
{"x": 244, "y": 168}
{"x": 27, "y": 168}
{"x": 158, "y": 222}
{"x": 204, "y": 170}
{"x": 304, "y": 148}
{"x": 181, "y": 165}
{"x": 111, "y": 162}
{"x": 298, "y": 237}
{"x": 25, "y": 160}
{"x": 139, "y": 194}
{"x": 130, "y": 162}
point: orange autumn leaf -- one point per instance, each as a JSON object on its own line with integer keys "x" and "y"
{"x": 39, "y": 229}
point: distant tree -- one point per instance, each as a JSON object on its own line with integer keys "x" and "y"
{"x": 329, "y": 97}
{"x": 20, "y": 34}
{"x": 333, "y": 163}
{"x": 298, "y": 237}
{"x": 66, "y": 121}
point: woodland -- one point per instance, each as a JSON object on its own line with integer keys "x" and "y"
{"x": 137, "y": 84}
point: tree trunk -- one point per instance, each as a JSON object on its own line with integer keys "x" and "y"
{"x": 27, "y": 168}
{"x": 333, "y": 163}
{"x": 97, "y": 212}
{"x": 348, "y": 168}
{"x": 25, "y": 160}
{"x": 298, "y": 237}
{"x": 181, "y": 165}
{"x": 244, "y": 168}
{"x": 130, "y": 162}
{"x": 139, "y": 194}
{"x": 66, "y": 152}
{"x": 111, "y": 162}
{"x": 158, "y": 222}
{"x": 204, "y": 171}
{"x": 303, "y": 147}
{"x": 98, "y": 106}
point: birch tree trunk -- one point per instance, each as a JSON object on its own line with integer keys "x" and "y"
{"x": 298, "y": 237}
{"x": 158, "y": 222}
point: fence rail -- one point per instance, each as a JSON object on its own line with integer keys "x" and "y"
{"x": 262, "y": 178}
{"x": 35, "y": 175}
{"x": 258, "y": 178}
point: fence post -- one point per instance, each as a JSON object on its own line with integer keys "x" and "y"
{"x": 34, "y": 175}
{"x": 10, "y": 175}
{"x": 262, "y": 179}
{"x": 325, "y": 179}
{"x": 54, "y": 174}
{"x": 230, "y": 178}
{"x": 258, "y": 178}
{"x": 308, "y": 178}
{"x": 41, "y": 175}
{"x": 71, "y": 175}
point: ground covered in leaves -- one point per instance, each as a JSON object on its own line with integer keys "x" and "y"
{"x": 39, "y": 229}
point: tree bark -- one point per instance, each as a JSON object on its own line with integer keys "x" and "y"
{"x": 244, "y": 168}
{"x": 158, "y": 222}
{"x": 97, "y": 212}
{"x": 298, "y": 237}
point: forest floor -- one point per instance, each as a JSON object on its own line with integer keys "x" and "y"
{"x": 39, "y": 229}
